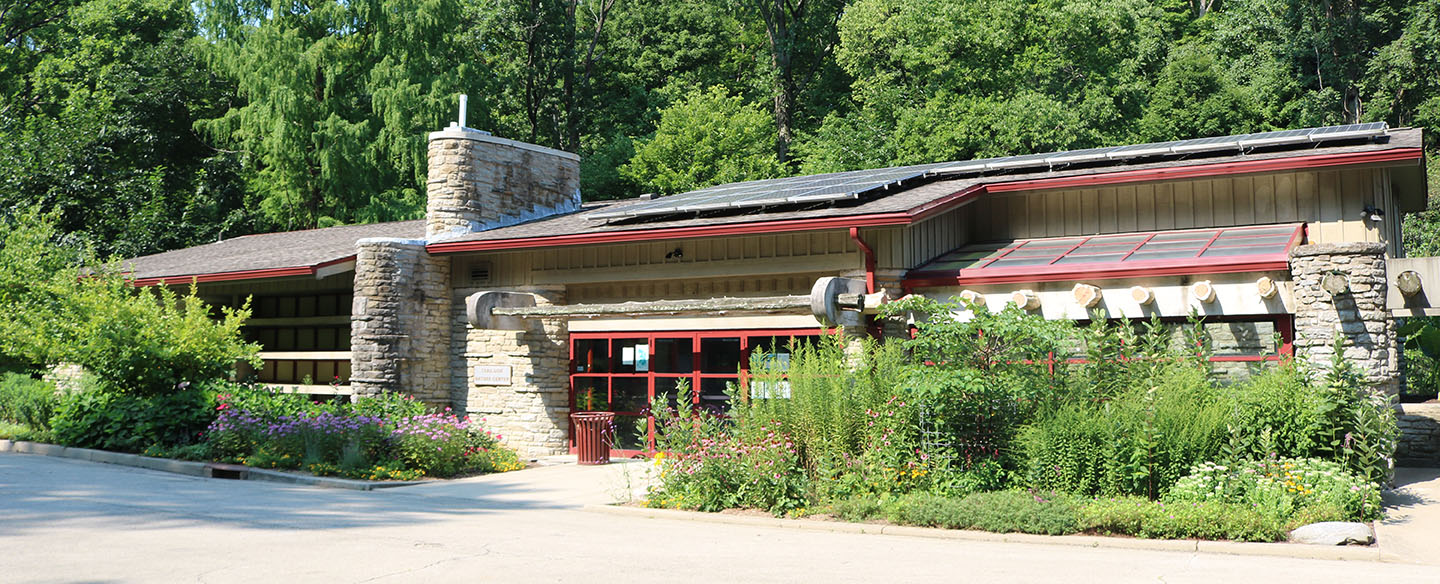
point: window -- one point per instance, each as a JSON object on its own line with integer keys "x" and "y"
{"x": 623, "y": 372}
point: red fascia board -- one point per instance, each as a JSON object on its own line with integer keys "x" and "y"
{"x": 1029, "y": 274}
{"x": 787, "y": 225}
{"x": 237, "y": 275}
{"x": 928, "y": 209}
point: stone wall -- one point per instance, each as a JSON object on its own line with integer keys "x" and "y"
{"x": 400, "y": 320}
{"x": 1419, "y": 435}
{"x": 1358, "y": 313}
{"x": 478, "y": 182}
{"x": 532, "y": 413}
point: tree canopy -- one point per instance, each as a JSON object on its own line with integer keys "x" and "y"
{"x": 145, "y": 125}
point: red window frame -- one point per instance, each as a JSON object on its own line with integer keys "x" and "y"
{"x": 695, "y": 376}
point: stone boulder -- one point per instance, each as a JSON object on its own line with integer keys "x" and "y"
{"x": 1333, "y": 533}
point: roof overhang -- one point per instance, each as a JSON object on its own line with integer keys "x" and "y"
{"x": 1175, "y": 252}
{"x": 998, "y": 184}
{"x": 320, "y": 270}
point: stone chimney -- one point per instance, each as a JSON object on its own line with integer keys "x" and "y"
{"x": 478, "y": 182}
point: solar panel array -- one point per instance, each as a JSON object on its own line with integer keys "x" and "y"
{"x": 842, "y": 186}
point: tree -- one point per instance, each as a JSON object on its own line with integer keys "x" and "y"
{"x": 1193, "y": 99}
{"x": 97, "y": 99}
{"x": 802, "y": 34}
{"x": 708, "y": 137}
{"x": 336, "y": 99}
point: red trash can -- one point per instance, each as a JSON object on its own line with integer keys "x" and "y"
{"x": 592, "y": 436}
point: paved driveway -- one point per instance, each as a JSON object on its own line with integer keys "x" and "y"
{"x": 65, "y": 521}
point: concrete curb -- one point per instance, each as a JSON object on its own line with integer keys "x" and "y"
{"x": 1288, "y": 550}
{"x": 196, "y": 469}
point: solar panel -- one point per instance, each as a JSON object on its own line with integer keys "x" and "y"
{"x": 839, "y": 186}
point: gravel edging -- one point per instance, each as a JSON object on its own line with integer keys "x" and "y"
{"x": 1289, "y": 550}
{"x": 193, "y": 468}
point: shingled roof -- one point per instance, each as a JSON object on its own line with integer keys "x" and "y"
{"x": 303, "y": 252}
{"x": 291, "y": 253}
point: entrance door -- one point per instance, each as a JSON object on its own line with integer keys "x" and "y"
{"x": 624, "y": 372}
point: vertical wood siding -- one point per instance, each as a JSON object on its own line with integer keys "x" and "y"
{"x": 1330, "y": 201}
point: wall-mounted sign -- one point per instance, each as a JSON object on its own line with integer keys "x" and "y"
{"x": 492, "y": 375}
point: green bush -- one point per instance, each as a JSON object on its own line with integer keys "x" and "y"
{"x": 1277, "y": 412}
{"x": 140, "y": 341}
{"x": 711, "y": 464}
{"x": 26, "y": 400}
{"x": 132, "y": 423}
{"x": 1282, "y": 487}
{"x": 1138, "y": 443}
{"x": 1141, "y": 517}
{"x": 998, "y": 511}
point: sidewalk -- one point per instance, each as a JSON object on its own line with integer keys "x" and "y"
{"x": 558, "y": 482}
{"x": 1411, "y": 529}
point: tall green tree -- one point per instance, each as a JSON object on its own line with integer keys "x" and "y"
{"x": 335, "y": 99}
{"x": 707, "y": 138}
{"x": 97, "y": 99}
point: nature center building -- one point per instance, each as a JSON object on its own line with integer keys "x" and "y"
{"x": 513, "y": 296}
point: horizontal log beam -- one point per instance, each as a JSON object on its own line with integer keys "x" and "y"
{"x": 766, "y": 304}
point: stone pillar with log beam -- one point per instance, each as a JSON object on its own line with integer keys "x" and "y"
{"x": 1341, "y": 288}
{"x": 517, "y": 369}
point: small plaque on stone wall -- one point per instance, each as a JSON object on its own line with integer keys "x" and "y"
{"x": 492, "y": 375}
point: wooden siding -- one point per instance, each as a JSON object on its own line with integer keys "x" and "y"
{"x": 823, "y": 251}
{"x": 703, "y": 288}
{"x": 1329, "y": 201}
{"x": 903, "y": 248}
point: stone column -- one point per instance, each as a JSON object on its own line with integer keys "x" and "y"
{"x": 532, "y": 413}
{"x": 1358, "y": 312}
{"x": 400, "y": 320}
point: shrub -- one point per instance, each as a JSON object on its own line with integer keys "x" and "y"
{"x": 1283, "y": 487}
{"x": 131, "y": 423}
{"x": 436, "y": 444}
{"x": 1138, "y": 443}
{"x": 26, "y": 400}
{"x": 706, "y": 465}
{"x": 1141, "y": 517}
{"x": 999, "y": 511}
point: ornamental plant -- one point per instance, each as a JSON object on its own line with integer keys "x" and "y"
{"x": 1283, "y": 487}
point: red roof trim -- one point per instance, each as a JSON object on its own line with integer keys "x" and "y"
{"x": 1149, "y": 268}
{"x": 240, "y": 275}
{"x": 937, "y": 206}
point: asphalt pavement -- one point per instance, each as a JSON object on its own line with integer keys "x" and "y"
{"x": 64, "y": 520}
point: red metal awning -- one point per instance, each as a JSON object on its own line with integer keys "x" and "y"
{"x": 1123, "y": 255}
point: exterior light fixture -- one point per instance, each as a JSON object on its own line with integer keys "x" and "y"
{"x": 1266, "y": 287}
{"x": 1025, "y": 299}
{"x": 972, "y": 298}
{"x": 1142, "y": 295}
{"x": 1203, "y": 291}
{"x": 1086, "y": 295}
{"x": 1372, "y": 213}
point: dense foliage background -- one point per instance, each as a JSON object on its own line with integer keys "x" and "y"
{"x": 148, "y": 125}
{"x": 155, "y": 124}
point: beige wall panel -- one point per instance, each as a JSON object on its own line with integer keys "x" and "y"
{"x": 1185, "y": 205}
{"x": 1264, "y": 188}
{"x": 1223, "y": 197}
{"x": 1243, "y": 193}
{"x": 1109, "y": 219}
{"x": 1165, "y": 206}
{"x": 1073, "y": 216}
{"x": 1329, "y": 228}
{"x": 1286, "y": 206}
{"x": 1090, "y": 211}
{"x": 1144, "y": 207}
{"x": 1054, "y": 213}
{"x": 1329, "y": 201}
